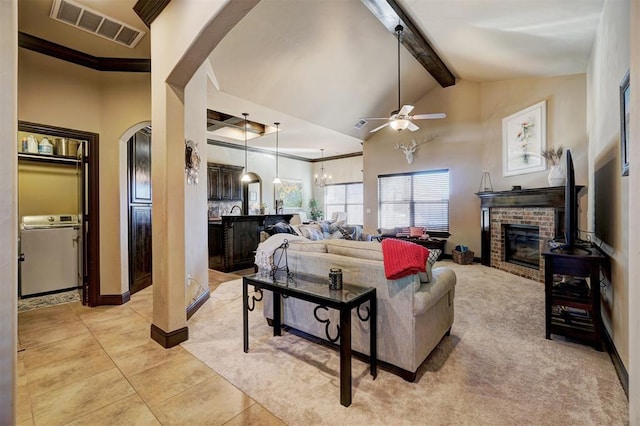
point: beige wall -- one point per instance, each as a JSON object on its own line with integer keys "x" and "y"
{"x": 8, "y": 212}
{"x": 46, "y": 189}
{"x": 608, "y": 64}
{"x": 58, "y": 93}
{"x": 634, "y": 222}
{"x": 454, "y": 143}
{"x": 195, "y": 206}
{"x": 469, "y": 141}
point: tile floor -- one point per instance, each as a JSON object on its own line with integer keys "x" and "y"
{"x": 98, "y": 366}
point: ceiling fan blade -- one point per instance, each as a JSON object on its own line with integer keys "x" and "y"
{"x": 379, "y": 127}
{"x": 412, "y": 126}
{"x": 374, "y": 118}
{"x": 429, "y": 116}
{"x": 405, "y": 110}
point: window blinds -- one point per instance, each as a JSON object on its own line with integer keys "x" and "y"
{"x": 415, "y": 199}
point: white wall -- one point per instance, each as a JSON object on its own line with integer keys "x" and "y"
{"x": 8, "y": 210}
{"x": 608, "y": 63}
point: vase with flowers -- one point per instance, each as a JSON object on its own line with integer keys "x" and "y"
{"x": 556, "y": 173}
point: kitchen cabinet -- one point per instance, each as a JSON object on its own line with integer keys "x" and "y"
{"x": 216, "y": 246}
{"x": 223, "y": 182}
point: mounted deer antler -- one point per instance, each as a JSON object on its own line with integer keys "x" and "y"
{"x": 408, "y": 150}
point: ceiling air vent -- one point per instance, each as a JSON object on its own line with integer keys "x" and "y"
{"x": 84, "y": 18}
{"x": 360, "y": 124}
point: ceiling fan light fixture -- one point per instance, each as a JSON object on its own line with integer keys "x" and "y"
{"x": 399, "y": 124}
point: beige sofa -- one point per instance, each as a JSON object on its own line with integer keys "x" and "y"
{"x": 413, "y": 316}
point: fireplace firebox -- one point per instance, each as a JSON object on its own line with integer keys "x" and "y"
{"x": 522, "y": 245}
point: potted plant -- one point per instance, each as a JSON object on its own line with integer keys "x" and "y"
{"x": 556, "y": 174}
{"x": 263, "y": 208}
{"x": 314, "y": 210}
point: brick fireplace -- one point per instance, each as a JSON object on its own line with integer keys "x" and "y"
{"x": 538, "y": 210}
{"x": 541, "y": 218}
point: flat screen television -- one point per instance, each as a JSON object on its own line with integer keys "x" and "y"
{"x": 570, "y": 205}
{"x": 571, "y": 241}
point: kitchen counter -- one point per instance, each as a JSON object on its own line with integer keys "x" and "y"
{"x": 233, "y": 239}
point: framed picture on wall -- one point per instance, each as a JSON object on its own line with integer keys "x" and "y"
{"x": 289, "y": 191}
{"x": 624, "y": 124}
{"x": 524, "y": 137}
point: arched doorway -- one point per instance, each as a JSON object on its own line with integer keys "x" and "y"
{"x": 252, "y": 194}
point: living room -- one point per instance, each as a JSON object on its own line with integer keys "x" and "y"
{"x": 583, "y": 116}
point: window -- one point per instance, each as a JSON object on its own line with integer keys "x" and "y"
{"x": 415, "y": 199}
{"x": 346, "y": 197}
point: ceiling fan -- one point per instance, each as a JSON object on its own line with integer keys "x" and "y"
{"x": 401, "y": 119}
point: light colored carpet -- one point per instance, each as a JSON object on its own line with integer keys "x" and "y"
{"x": 496, "y": 368}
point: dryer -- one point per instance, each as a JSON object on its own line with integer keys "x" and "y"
{"x": 49, "y": 249}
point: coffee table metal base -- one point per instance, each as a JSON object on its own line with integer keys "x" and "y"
{"x": 334, "y": 299}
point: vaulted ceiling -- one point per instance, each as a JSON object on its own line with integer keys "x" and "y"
{"x": 318, "y": 66}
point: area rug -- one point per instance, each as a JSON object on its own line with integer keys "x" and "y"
{"x": 38, "y": 302}
{"x": 496, "y": 367}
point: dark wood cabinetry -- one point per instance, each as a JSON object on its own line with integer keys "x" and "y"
{"x": 572, "y": 294}
{"x": 216, "y": 246}
{"x": 223, "y": 182}
{"x": 234, "y": 239}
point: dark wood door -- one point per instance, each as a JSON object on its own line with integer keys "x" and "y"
{"x": 139, "y": 164}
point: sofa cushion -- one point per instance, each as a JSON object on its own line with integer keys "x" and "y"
{"x": 426, "y": 276}
{"x": 308, "y": 246}
{"x": 356, "y": 249}
{"x": 429, "y": 293}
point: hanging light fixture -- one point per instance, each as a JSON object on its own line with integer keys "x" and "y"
{"x": 323, "y": 179}
{"x": 276, "y": 180}
{"x": 245, "y": 176}
{"x": 401, "y": 123}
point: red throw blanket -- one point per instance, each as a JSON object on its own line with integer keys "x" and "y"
{"x": 402, "y": 258}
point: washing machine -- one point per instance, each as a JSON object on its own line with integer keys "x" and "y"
{"x": 49, "y": 253}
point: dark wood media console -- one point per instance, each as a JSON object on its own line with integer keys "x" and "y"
{"x": 572, "y": 293}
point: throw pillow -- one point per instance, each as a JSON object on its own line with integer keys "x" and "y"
{"x": 426, "y": 277}
{"x": 312, "y": 232}
{"x": 280, "y": 228}
{"x": 416, "y": 231}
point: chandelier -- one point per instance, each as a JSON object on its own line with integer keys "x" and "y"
{"x": 323, "y": 179}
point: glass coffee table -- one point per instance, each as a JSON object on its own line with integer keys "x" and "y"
{"x": 316, "y": 290}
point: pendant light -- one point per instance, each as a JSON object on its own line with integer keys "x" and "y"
{"x": 399, "y": 124}
{"x": 323, "y": 179}
{"x": 245, "y": 176}
{"x": 276, "y": 180}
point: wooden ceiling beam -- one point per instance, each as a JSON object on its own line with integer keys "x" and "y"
{"x": 390, "y": 14}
